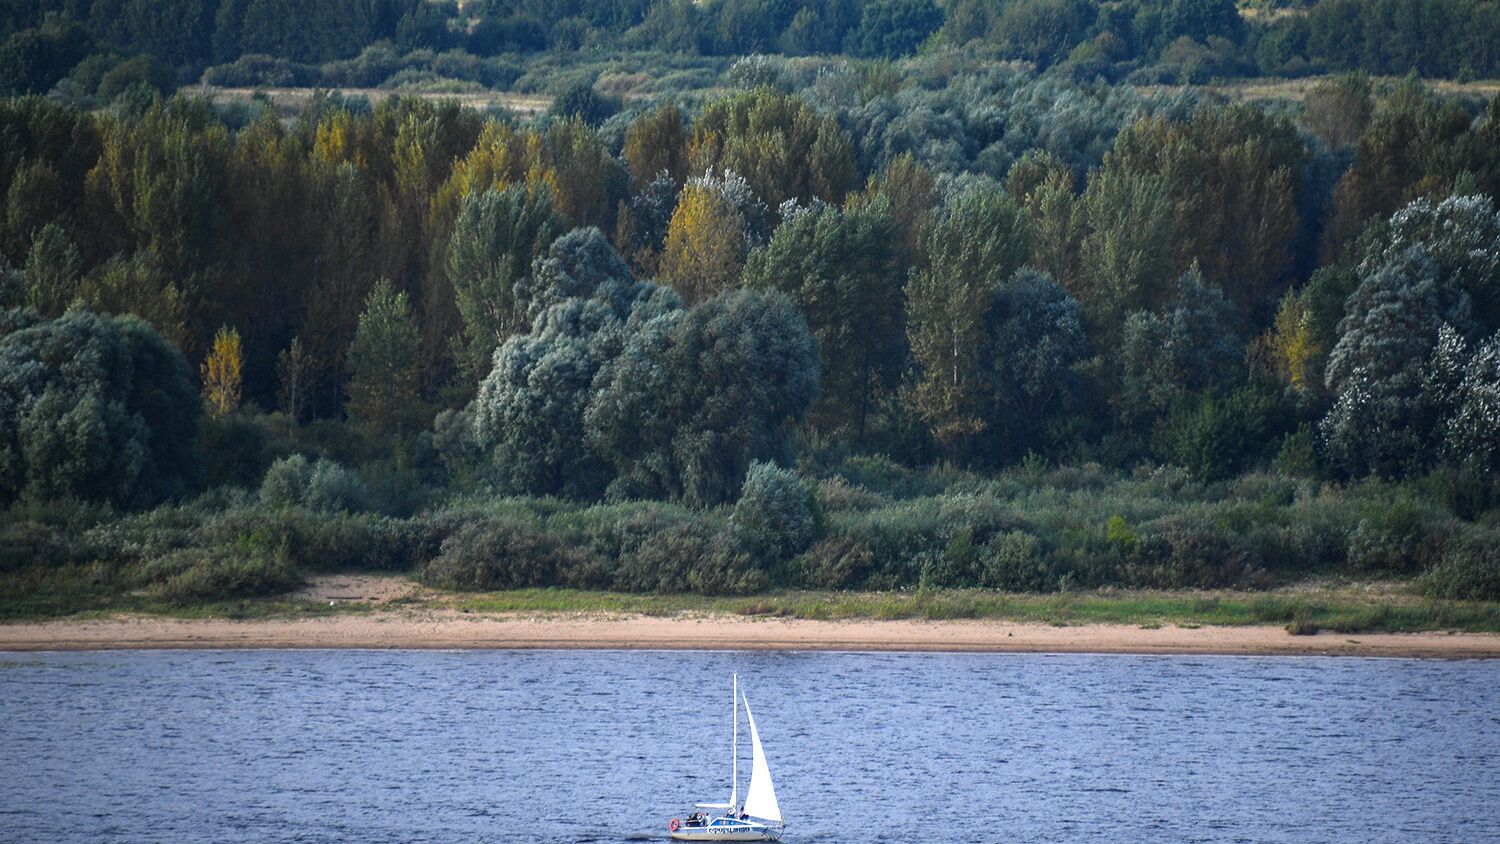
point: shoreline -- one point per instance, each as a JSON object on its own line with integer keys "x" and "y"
{"x": 453, "y": 630}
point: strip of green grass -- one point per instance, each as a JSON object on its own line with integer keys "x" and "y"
{"x": 88, "y": 592}
{"x": 1342, "y": 611}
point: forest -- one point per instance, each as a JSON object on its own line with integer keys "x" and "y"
{"x": 839, "y": 295}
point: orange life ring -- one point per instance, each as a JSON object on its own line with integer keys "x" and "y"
{"x": 674, "y": 825}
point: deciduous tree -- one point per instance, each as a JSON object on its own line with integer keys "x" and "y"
{"x": 222, "y": 373}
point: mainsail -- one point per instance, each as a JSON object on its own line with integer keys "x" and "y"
{"x": 760, "y": 800}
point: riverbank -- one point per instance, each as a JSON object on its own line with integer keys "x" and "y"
{"x": 444, "y": 629}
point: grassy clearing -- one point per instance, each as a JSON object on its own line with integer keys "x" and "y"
{"x": 1295, "y": 90}
{"x": 288, "y": 101}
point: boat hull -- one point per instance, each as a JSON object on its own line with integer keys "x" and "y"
{"x": 711, "y": 834}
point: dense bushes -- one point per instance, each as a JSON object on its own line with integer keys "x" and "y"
{"x": 245, "y": 570}
{"x": 1470, "y": 567}
{"x": 776, "y": 515}
{"x": 317, "y": 485}
{"x": 495, "y": 554}
{"x": 1024, "y": 530}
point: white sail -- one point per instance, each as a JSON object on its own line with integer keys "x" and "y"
{"x": 760, "y": 800}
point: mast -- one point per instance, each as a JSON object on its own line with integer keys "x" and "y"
{"x": 734, "y": 749}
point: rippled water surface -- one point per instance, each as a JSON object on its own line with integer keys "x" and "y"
{"x": 413, "y": 746}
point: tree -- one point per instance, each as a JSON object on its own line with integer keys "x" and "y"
{"x": 495, "y": 239}
{"x": 1471, "y": 434}
{"x": 529, "y": 414}
{"x": 695, "y": 397}
{"x": 136, "y": 285}
{"x": 222, "y": 373}
{"x": 1124, "y": 248}
{"x": 1231, "y": 175}
{"x": 780, "y": 145}
{"x": 1337, "y": 110}
{"x": 1460, "y": 235}
{"x": 1296, "y": 349}
{"x": 705, "y": 245}
{"x": 643, "y": 223}
{"x": 972, "y": 246}
{"x": 581, "y": 101}
{"x": 579, "y": 265}
{"x": 160, "y": 182}
{"x": 1187, "y": 346}
{"x": 1036, "y": 341}
{"x": 347, "y": 262}
{"x": 293, "y": 373}
{"x": 587, "y": 181}
{"x": 1043, "y": 31}
{"x": 1044, "y": 184}
{"x": 37, "y": 197}
{"x": 52, "y": 271}
{"x": 893, "y": 28}
{"x": 384, "y": 382}
{"x": 1386, "y": 403}
{"x": 95, "y": 408}
{"x": 841, "y": 271}
{"x": 656, "y": 142}
{"x": 910, "y": 191}
{"x": 1407, "y": 151}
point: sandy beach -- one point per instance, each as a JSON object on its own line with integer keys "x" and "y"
{"x": 454, "y": 629}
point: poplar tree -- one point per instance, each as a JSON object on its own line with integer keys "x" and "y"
{"x": 222, "y": 373}
{"x": 971, "y": 247}
{"x": 705, "y": 245}
{"x": 495, "y": 239}
{"x": 384, "y": 368}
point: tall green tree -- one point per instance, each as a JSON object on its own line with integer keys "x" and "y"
{"x": 385, "y": 375}
{"x": 840, "y": 269}
{"x": 495, "y": 239}
{"x": 972, "y": 246}
{"x": 52, "y": 271}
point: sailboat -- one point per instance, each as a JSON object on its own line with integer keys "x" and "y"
{"x": 759, "y": 817}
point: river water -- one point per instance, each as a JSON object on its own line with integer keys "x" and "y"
{"x": 600, "y": 746}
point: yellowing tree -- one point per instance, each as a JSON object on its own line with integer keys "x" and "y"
{"x": 705, "y": 245}
{"x": 1294, "y": 344}
{"x": 221, "y": 373}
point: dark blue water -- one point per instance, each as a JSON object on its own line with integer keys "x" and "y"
{"x": 404, "y": 746}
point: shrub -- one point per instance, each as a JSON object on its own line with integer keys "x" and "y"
{"x": 25, "y": 542}
{"x": 1469, "y": 569}
{"x": 323, "y": 485}
{"x": 1217, "y": 438}
{"x": 957, "y": 565}
{"x": 237, "y": 449}
{"x": 504, "y": 554}
{"x": 690, "y": 557}
{"x": 776, "y": 516}
{"x": 1185, "y": 551}
{"x": 1013, "y": 561}
{"x": 245, "y": 570}
{"x": 839, "y": 562}
{"x": 331, "y": 487}
{"x": 1400, "y": 538}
